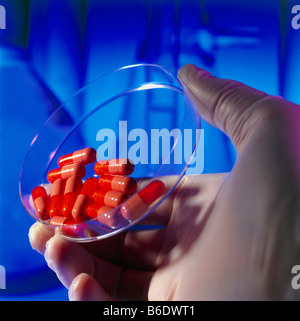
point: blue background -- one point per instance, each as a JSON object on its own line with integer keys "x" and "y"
{"x": 51, "y": 48}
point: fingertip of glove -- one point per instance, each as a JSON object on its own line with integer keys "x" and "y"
{"x": 189, "y": 72}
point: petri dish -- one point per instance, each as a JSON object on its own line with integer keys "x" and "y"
{"x": 139, "y": 112}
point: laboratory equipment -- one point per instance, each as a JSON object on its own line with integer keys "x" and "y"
{"x": 156, "y": 152}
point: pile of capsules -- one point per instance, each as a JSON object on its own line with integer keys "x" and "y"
{"x": 73, "y": 201}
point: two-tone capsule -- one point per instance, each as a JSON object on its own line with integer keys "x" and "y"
{"x": 122, "y": 166}
{"x": 136, "y": 206}
{"x": 73, "y": 186}
{"x": 66, "y": 172}
{"x": 61, "y": 221}
{"x": 110, "y": 198}
{"x": 41, "y": 202}
{"x": 105, "y": 215}
{"x": 89, "y": 187}
{"x": 69, "y": 226}
{"x": 83, "y": 156}
{"x": 118, "y": 183}
{"x": 57, "y": 198}
{"x": 109, "y": 216}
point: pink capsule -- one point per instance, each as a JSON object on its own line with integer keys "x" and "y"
{"x": 57, "y": 198}
{"x": 137, "y": 205}
{"x": 41, "y": 202}
{"x": 114, "y": 167}
{"x": 105, "y": 215}
{"x": 109, "y": 216}
{"x": 83, "y": 156}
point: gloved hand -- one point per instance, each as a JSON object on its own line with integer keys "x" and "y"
{"x": 232, "y": 236}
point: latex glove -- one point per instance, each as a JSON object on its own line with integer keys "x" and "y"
{"x": 231, "y": 236}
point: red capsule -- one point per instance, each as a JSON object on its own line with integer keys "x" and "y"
{"x": 83, "y": 156}
{"x": 73, "y": 186}
{"x": 92, "y": 209}
{"x": 152, "y": 192}
{"x": 110, "y": 198}
{"x": 57, "y": 198}
{"x": 89, "y": 187}
{"x": 114, "y": 167}
{"x": 66, "y": 172}
{"x": 41, "y": 202}
{"x": 123, "y": 184}
{"x": 138, "y": 203}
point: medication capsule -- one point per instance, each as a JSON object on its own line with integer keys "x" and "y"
{"x": 108, "y": 216}
{"x": 73, "y": 186}
{"x": 69, "y": 226}
{"x": 61, "y": 220}
{"x": 110, "y": 198}
{"x": 138, "y": 203}
{"x": 123, "y": 184}
{"x": 57, "y": 198}
{"x": 41, "y": 202}
{"x": 89, "y": 187}
{"x": 105, "y": 215}
{"x": 66, "y": 172}
{"x": 92, "y": 209}
{"x": 114, "y": 167}
{"x": 83, "y": 156}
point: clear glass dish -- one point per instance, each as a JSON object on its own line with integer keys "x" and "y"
{"x": 140, "y": 112}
